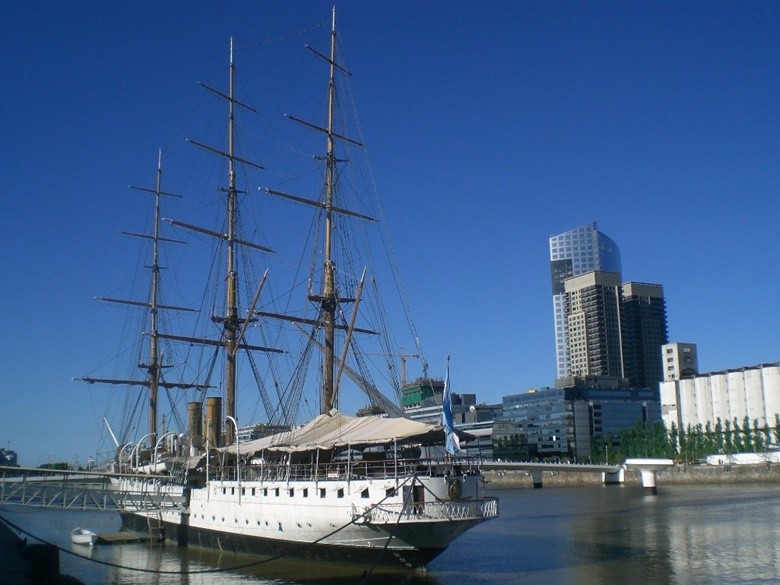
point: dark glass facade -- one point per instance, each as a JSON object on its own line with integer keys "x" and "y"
{"x": 561, "y": 422}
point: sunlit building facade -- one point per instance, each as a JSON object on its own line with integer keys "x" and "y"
{"x": 573, "y": 253}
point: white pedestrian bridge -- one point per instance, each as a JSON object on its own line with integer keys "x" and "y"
{"x": 611, "y": 473}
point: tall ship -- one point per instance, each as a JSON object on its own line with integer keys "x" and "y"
{"x": 374, "y": 489}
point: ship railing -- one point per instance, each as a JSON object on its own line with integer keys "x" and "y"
{"x": 340, "y": 470}
{"x": 455, "y": 510}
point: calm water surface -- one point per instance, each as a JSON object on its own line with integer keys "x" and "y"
{"x": 594, "y": 535}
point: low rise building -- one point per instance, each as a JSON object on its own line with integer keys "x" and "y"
{"x": 562, "y": 422}
{"x": 752, "y": 392}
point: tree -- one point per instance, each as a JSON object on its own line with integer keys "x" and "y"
{"x": 674, "y": 445}
{"x": 739, "y": 445}
{"x": 758, "y": 437}
{"x": 777, "y": 429}
{"x": 719, "y": 442}
{"x": 748, "y": 432}
{"x": 729, "y": 438}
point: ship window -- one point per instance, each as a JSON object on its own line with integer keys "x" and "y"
{"x": 389, "y": 492}
{"x": 364, "y": 493}
{"x": 276, "y": 492}
{"x": 292, "y": 492}
{"x": 232, "y": 491}
{"x": 305, "y": 492}
{"x": 253, "y": 491}
{"x": 340, "y": 493}
{"x": 322, "y": 492}
{"x": 224, "y": 491}
{"x": 243, "y": 491}
{"x": 265, "y": 491}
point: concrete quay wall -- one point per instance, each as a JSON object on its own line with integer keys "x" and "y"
{"x": 679, "y": 474}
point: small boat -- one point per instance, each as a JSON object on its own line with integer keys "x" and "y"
{"x": 83, "y": 536}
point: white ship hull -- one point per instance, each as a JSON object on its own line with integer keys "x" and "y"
{"x": 383, "y": 521}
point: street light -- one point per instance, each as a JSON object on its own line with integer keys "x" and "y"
{"x": 119, "y": 454}
{"x": 238, "y": 470}
{"x": 136, "y": 451}
{"x": 157, "y": 444}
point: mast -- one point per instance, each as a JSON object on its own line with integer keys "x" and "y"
{"x": 327, "y": 299}
{"x": 154, "y": 368}
{"x": 154, "y": 364}
{"x": 231, "y": 316}
{"x": 329, "y": 288}
{"x": 231, "y": 322}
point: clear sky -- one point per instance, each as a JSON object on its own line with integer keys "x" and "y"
{"x": 491, "y": 126}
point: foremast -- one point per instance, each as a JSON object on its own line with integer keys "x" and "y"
{"x": 155, "y": 367}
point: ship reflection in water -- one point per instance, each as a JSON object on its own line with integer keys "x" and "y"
{"x": 583, "y": 536}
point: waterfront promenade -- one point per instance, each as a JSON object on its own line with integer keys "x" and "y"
{"x": 676, "y": 475}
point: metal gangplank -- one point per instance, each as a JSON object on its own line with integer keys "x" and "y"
{"x": 87, "y": 490}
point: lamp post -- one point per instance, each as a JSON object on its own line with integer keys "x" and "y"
{"x": 157, "y": 444}
{"x": 122, "y": 450}
{"x": 136, "y": 451}
{"x": 238, "y": 470}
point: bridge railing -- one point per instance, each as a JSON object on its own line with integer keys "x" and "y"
{"x": 73, "y": 490}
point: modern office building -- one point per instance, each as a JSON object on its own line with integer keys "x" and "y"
{"x": 603, "y": 327}
{"x": 644, "y": 332}
{"x": 593, "y": 305}
{"x": 572, "y": 253}
{"x": 752, "y": 392}
{"x": 562, "y": 422}
{"x": 680, "y": 360}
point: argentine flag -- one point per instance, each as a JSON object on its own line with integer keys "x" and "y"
{"x": 453, "y": 444}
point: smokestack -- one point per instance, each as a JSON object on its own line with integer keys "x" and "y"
{"x": 214, "y": 420}
{"x": 195, "y": 426}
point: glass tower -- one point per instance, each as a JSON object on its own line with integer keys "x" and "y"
{"x": 572, "y": 253}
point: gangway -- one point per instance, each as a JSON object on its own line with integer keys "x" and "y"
{"x": 87, "y": 490}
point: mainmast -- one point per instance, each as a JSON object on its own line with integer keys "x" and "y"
{"x": 231, "y": 322}
{"x": 329, "y": 288}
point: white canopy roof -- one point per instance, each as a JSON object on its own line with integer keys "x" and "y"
{"x": 335, "y": 430}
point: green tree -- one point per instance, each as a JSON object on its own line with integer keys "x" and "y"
{"x": 739, "y": 445}
{"x": 729, "y": 438}
{"x": 777, "y": 429}
{"x": 673, "y": 441}
{"x": 719, "y": 439}
{"x": 758, "y": 437}
{"x": 748, "y": 432}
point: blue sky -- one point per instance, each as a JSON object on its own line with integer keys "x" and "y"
{"x": 490, "y": 127}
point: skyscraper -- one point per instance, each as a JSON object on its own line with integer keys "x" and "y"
{"x": 644, "y": 331}
{"x": 573, "y": 253}
{"x": 593, "y": 309}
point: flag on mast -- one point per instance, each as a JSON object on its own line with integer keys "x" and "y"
{"x": 453, "y": 444}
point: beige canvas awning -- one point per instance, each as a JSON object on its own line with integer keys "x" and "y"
{"x": 335, "y": 430}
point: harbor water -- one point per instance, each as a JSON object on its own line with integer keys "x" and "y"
{"x": 713, "y": 534}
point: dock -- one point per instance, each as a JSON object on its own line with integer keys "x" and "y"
{"x": 125, "y": 537}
